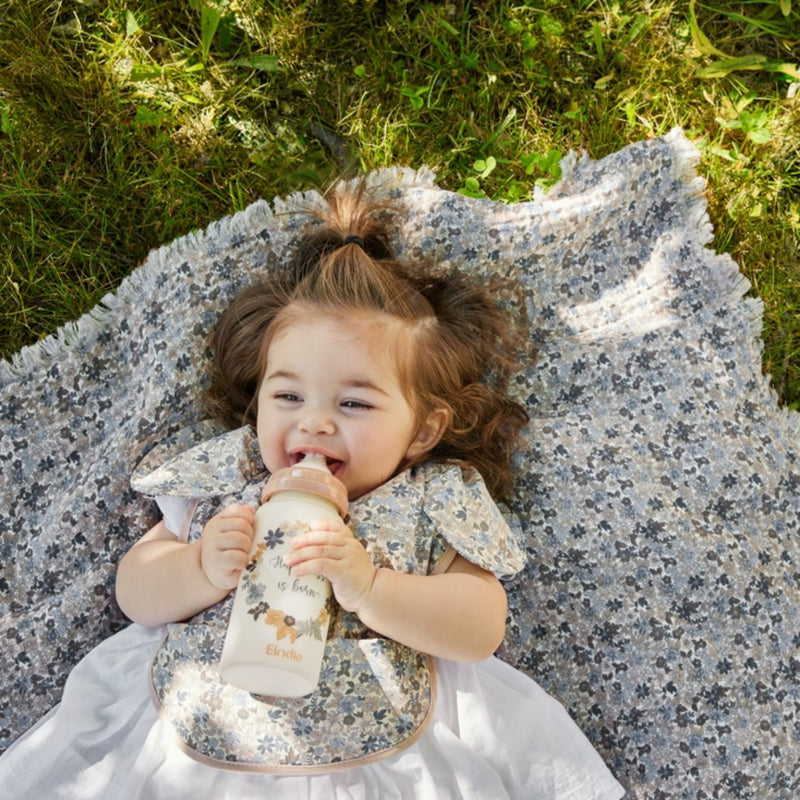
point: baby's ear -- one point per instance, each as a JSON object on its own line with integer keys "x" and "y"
{"x": 429, "y": 433}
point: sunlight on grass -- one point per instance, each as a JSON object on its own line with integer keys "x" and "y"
{"x": 124, "y": 126}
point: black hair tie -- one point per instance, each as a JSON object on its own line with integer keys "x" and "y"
{"x": 353, "y": 239}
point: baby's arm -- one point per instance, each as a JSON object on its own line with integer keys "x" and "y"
{"x": 161, "y": 579}
{"x": 459, "y": 615}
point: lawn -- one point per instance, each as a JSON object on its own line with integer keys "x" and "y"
{"x": 126, "y": 125}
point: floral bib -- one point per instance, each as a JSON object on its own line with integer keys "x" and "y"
{"x": 375, "y": 696}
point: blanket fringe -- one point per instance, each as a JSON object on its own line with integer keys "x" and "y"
{"x": 732, "y": 285}
{"x": 79, "y": 335}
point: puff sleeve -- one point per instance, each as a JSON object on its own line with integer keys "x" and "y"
{"x": 189, "y": 464}
{"x": 460, "y": 511}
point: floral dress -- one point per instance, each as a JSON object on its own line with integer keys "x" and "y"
{"x": 385, "y": 720}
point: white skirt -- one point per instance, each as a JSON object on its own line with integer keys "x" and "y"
{"x": 495, "y": 734}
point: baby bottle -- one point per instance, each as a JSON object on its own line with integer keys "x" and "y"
{"x": 279, "y": 623}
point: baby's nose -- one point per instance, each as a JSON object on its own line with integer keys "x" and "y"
{"x": 317, "y": 422}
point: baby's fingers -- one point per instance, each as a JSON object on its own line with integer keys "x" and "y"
{"x": 323, "y": 526}
{"x": 316, "y": 541}
{"x": 235, "y": 540}
{"x": 232, "y": 515}
{"x": 232, "y": 519}
{"x": 231, "y": 561}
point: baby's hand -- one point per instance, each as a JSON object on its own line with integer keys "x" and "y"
{"x": 225, "y": 545}
{"x": 331, "y": 550}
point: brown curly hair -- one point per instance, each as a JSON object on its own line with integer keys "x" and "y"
{"x": 463, "y": 347}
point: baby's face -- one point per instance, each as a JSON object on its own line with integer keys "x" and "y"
{"x": 331, "y": 386}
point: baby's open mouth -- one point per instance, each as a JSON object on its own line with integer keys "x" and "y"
{"x": 334, "y": 464}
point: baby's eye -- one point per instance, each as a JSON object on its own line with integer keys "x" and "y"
{"x": 356, "y": 404}
{"x": 287, "y": 397}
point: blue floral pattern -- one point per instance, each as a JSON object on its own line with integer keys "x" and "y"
{"x": 658, "y": 487}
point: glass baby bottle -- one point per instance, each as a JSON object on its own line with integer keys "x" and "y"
{"x": 279, "y": 623}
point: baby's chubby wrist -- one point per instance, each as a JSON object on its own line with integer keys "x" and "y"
{"x": 365, "y": 603}
{"x": 205, "y": 565}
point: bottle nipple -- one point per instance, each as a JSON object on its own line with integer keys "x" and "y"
{"x": 315, "y": 461}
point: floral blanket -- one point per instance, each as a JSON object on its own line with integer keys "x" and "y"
{"x": 659, "y": 488}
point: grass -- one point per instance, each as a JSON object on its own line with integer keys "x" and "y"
{"x": 125, "y": 125}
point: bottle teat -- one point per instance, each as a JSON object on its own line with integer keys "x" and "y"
{"x": 315, "y": 461}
